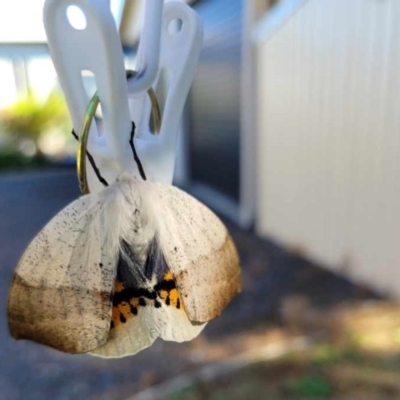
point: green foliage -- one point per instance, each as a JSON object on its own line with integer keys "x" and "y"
{"x": 310, "y": 387}
{"x": 15, "y": 160}
{"x": 327, "y": 354}
{"x": 183, "y": 394}
{"x": 30, "y": 118}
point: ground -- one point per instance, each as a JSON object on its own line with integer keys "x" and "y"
{"x": 354, "y": 354}
{"x": 316, "y": 374}
{"x": 278, "y": 288}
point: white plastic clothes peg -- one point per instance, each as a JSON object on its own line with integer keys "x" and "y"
{"x": 166, "y": 61}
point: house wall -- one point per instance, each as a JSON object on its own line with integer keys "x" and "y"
{"x": 328, "y": 134}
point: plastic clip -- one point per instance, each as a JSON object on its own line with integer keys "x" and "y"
{"x": 166, "y": 62}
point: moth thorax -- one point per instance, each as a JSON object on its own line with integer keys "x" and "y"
{"x": 139, "y": 233}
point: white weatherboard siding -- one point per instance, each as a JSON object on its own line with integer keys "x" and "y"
{"x": 328, "y": 136}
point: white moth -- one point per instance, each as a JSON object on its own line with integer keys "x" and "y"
{"x": 115, "y": 270}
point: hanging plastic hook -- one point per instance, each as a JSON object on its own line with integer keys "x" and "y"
{"x": 179, "y": 55}
{"x": 98, "y": 48}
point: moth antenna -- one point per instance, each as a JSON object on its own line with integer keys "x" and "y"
{"x": 135, "y": 155}
{"x": 92, "y": 163}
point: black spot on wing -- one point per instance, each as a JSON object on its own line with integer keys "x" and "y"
{"x": 142, "y": 302}
{"x": 165, "y": 285}
{"x": 127, "y": 294}
{"x": 134, "y": 310}
{"x": 157, "y": 304}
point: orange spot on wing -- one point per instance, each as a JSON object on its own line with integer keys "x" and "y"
{"x": 169, "y": 276}
{"x": 134, "y": 301}
{"x": 118, "y": 286}
{"x": 122, "y": 312}
{"x": 170, "y": 296}
{"x": 175, "y": 299}
{"x": 124, "y": 309}
{"x": 174, "y": 295}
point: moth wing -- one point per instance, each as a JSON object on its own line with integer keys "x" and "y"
{"x": 142, "y": 330}
{"x": 128, "y": 339}
{"x": 141, "y": 318}
{"x": 60, "y": 294}
{"x": 199, "y": 251}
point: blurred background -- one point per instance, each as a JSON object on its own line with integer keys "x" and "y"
{"x": 291, "y": 134}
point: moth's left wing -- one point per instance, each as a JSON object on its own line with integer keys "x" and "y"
{"x": 62, "y": 287}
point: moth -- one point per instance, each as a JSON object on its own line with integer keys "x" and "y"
{"x": 115, "y": 270}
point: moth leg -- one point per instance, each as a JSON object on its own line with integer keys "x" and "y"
{"x": 92, "y": 163}
{"x": 135, "y": 155}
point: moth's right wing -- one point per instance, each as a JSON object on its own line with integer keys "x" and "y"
{"x": 198, "y": 250}
{"x": 62, "y": 287}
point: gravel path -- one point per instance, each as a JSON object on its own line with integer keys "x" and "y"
{"x": 29, "y": 371}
